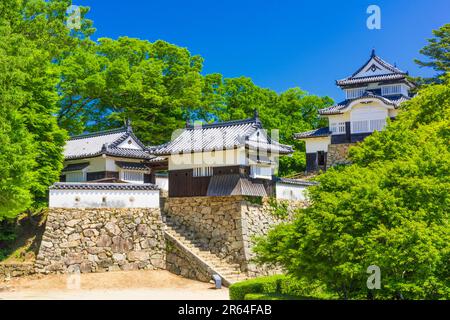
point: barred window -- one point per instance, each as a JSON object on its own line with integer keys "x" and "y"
{"x": 76, "y": 176}
{"x": 202, "y": 172}
{"x": 132, "y": 176}
{"x": 337, "y": 127}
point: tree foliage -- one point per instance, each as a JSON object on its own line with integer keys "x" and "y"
{"x": 29, "y": 37}
{"x": 438, "y": 53}
{"x": 390, "y": 209}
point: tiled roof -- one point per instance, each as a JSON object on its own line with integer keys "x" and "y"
{"x": 321, "y": 132}
{"x": 75, "y": 166}
{"x": 297, "y": 182}
{"x": 131, "y": 165}
{"x": 394, "y": 100}
{"x": 269, "y": 147}
{"x": 104, "y": 142}
{"x": 390, "y": 72}
{"x": 220, "y": 136}
{"x": 102, "y": 186}
{"x": 370, "y": 79}
{"x": 234, "y": 185}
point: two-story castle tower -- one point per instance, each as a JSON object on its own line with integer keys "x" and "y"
{"x": 373, "y": 94}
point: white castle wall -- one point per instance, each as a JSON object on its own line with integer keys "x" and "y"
{"x": 104, "y": 199}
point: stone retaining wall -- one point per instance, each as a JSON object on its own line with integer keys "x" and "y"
{"x": 338, "y": 154}
{"x": 12, "y": 270}
{"x": 106, "y": 239}
{"x": 226, "y": 225}
{"x": 181, "y": 262}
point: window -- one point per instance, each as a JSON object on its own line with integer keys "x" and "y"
{"x": 377, "y": 125}
{"x": 355, "y": 93}
{"x": 394, "y": 89}
{"x": 75, "y": 176}
{"x": 337, "y": 127}
{"x": 263, "y": 172}
{"x": 202, "y": 172}
{"x": 368, "y": 125}
{"x": 360, "y": 126}
{"x": 132, "y": 176}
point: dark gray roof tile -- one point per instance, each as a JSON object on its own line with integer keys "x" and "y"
{"x": 321, "y": 132}
{"x": 102, "y": 186}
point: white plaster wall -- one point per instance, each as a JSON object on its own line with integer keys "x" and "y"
{"x": 162, "y": 183}
{"x": 345, "y": 117}
{"x": 209, "y": 159}
{"x": 132, "y": 145}
{"x": 317, "y": 144}
{"x": 94, "y": 199}
{"x": 368, "y": 112}
{"x": 290, "y": 191}
{"x": 97, "y": 164}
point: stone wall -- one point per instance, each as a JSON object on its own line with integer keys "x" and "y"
{"x": 214, "y": 220}
{"x": 226, "y": 225}
{"x": 96, "y": 240}
{"x": 182, "y": 262}
{"x": 338, "y": 154}
{"x": 12, "y": 270}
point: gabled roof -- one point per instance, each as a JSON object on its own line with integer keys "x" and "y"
{"x": 374, "y": 70}
{"x": 222, "y": 136}
{"x": 102, "y": 186}
{"x": 105, "y": 142}
{"x": 394, "y": 100}
{"x": 316, "y": 133}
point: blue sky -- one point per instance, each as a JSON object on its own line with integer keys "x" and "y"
{"x": 279, "y": 44}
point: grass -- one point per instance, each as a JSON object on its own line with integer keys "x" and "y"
{"x": 23, "y": 245}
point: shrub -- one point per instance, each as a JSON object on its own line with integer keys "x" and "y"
{"x": 270, "y": 296}
{"x": 278, "y": 286}
{"x": 270, "y": 284}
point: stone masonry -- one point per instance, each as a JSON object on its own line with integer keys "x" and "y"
{"x": 95, "y": 240}
{"x": 225, "y": 225}
{"x": 338, "y": 154}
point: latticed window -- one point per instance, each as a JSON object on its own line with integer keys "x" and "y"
{"x": 368, "y": 125}
{"x": 132, "y": 176}
{"x": 360, "y": 126}
{"x": 377, "y": 125}
{"x": 337, "y": 127}
{"x": 355, "y": 93}
{"x": 394, "y": 89}
{"x": 75, "y": 176}
{"x": 202, "y": 172}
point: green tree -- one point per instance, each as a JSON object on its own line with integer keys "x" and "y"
{"x": 16, "y": 156}
{"x": 390, "y": 209}
{"x": 30, "y": 74}
{"x": 438, "y": 53}
{"x": 156, "y": 85}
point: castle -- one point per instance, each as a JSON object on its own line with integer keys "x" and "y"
{"x": 110, "y": 211}
{"x": 373, "y": 93}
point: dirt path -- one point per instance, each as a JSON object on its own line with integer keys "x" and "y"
{"x": 123, "y": 285}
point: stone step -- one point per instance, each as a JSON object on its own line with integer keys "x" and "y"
{"x": 229, "y": 271}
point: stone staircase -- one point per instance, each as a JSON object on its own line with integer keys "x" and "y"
{"x": 195, "y": 248}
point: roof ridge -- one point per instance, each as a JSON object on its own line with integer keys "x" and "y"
{"x": 380, "y": 61}
{"x": 224, "y": 123}
{"x": 98, "y": 133}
